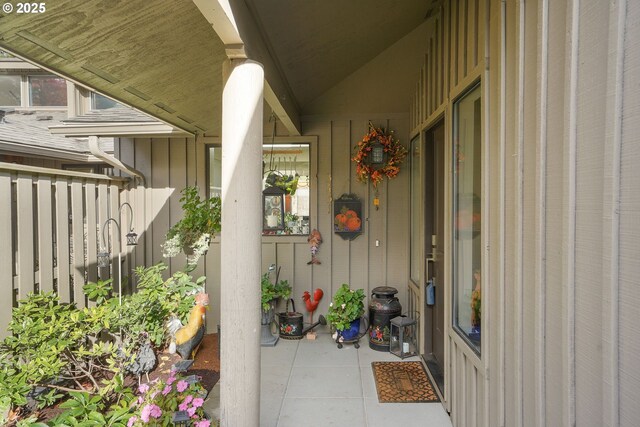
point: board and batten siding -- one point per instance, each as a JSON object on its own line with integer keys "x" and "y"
{"x": 453, "y": 63}
{"x": 170, "y": 164}
{"x": 560, "y": 196}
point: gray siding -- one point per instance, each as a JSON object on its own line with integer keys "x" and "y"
{"x": 170, "y": 164}
{"x": 561, "y": 208}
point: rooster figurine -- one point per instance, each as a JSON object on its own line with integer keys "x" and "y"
{"x": 186, "y": 339}
{"x": 312, "y": 304}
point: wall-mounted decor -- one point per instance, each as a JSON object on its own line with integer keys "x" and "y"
{"x": 347, "y": 216}
{"x": 377, "y": 155}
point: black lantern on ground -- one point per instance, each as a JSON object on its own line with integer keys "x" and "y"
{"x": 181, "y": 419}
{"x": 272, "y": 209}
{"x": 404, "y": 337}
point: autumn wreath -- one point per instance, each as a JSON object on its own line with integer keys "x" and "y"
{"x": 394, "y": 155}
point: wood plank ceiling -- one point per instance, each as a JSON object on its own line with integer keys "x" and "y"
{"x": 317, "y": 43}
{"x": 165, "y": 59}
{"x": 159, "y": 56}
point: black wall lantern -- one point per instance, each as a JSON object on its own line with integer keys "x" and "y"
{"x": 377, "y": 156}
{"x": 272, "y": 209}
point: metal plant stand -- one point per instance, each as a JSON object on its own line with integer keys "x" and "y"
{"x": 267, "y": 339}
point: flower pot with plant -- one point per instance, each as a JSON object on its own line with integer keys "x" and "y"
{"x": 271, "y": 292}
{"x": 192, "y": 234}
{"x": 345, "y": 312}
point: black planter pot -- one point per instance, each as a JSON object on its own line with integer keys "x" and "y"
{"x": 290, "y": 324}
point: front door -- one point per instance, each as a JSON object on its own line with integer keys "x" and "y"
{"x": 434, "y": 242}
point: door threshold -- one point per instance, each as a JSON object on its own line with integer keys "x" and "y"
{"x": 435, "y": 373}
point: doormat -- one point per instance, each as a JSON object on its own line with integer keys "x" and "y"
{"x": 403, "y": 382}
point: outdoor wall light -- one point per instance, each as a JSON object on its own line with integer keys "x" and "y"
{"x": 377, "y": 155}
{"x": 403, "y": 337}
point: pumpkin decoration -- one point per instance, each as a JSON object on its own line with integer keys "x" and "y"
{"x": 347, "y": 220}
{"x": 353, "y": 224}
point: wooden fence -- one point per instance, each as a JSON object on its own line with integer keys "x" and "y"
{"x": 51, "y": 229}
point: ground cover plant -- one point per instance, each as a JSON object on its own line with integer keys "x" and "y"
{"x": 57, "y": 351}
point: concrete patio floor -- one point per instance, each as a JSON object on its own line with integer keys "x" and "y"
{"x": 313, "y": 383}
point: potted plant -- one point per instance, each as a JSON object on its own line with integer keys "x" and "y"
{"x": 270, "y": 292}
{"x": 345, "y": 311}
{"x": 192, "y": 234}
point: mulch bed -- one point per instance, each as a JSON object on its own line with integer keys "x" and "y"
{"x": 206, "y": 365}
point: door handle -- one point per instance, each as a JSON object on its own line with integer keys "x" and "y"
{"x": 430, "y": 260}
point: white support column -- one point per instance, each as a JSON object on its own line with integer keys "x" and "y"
{"x": 241, "y": 236}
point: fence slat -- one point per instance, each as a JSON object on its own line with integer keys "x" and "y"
{"x": 45, "y": 235}
{"x": 103, "y": 215}
{"x": 77, "y": 226}
{"x": 62, "y": 239}
{"x": 6, "y": 253}
{"x": 24, "y": 219}
{"x": 116, "y": 246}
{"x": 91, "y": 250}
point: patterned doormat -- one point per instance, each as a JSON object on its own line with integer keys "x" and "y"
{"x": 403, "y": 382}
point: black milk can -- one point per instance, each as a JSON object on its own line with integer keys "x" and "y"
{"x": 383, "y": 307}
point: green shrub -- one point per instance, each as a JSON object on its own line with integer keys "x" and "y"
{"x": 58, "y": 346}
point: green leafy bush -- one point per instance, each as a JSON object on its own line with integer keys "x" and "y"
{"x": 65, "y": 349}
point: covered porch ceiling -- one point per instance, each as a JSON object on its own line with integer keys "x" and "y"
{"x": 165, "y": 58}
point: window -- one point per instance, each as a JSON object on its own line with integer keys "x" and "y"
{"x": 286, "y": 166}
{"x": 47, "y": 91}
{"x": 10, "y": 91}
{"x": 467, "y": 191}
{"x": 100, "y": 102}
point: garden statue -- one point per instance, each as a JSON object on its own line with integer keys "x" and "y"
{"x": 186, "y": 339}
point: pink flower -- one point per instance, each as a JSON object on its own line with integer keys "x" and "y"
{"x": 156, "y": 412}
{"x": 144, "y": 414}
{"x": 143, "y": 388}
{"x": 152, "y": 411}
{"x": 167, "y": 390}
{"x": 171, "y": 378}
{"x": 197, "y": 402}
{"x": 140, "y": 400}
{"x": 188, "y": 399}
{"x": 182, "y": 385}
{"x": 132, "y": 421}
{"x": 203, "y": 423}
{"x": 183, "y": 406}
{"x": 192, "y": 411}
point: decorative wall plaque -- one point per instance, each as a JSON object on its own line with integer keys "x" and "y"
{"x": 347, "y": 216}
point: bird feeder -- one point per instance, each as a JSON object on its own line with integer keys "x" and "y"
{"x": 273, "y": 209}
{"x": 404, "y": 335}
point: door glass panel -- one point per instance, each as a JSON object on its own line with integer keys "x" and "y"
{"x": 467, "y": 191}
{"x": 416, "y": 200}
